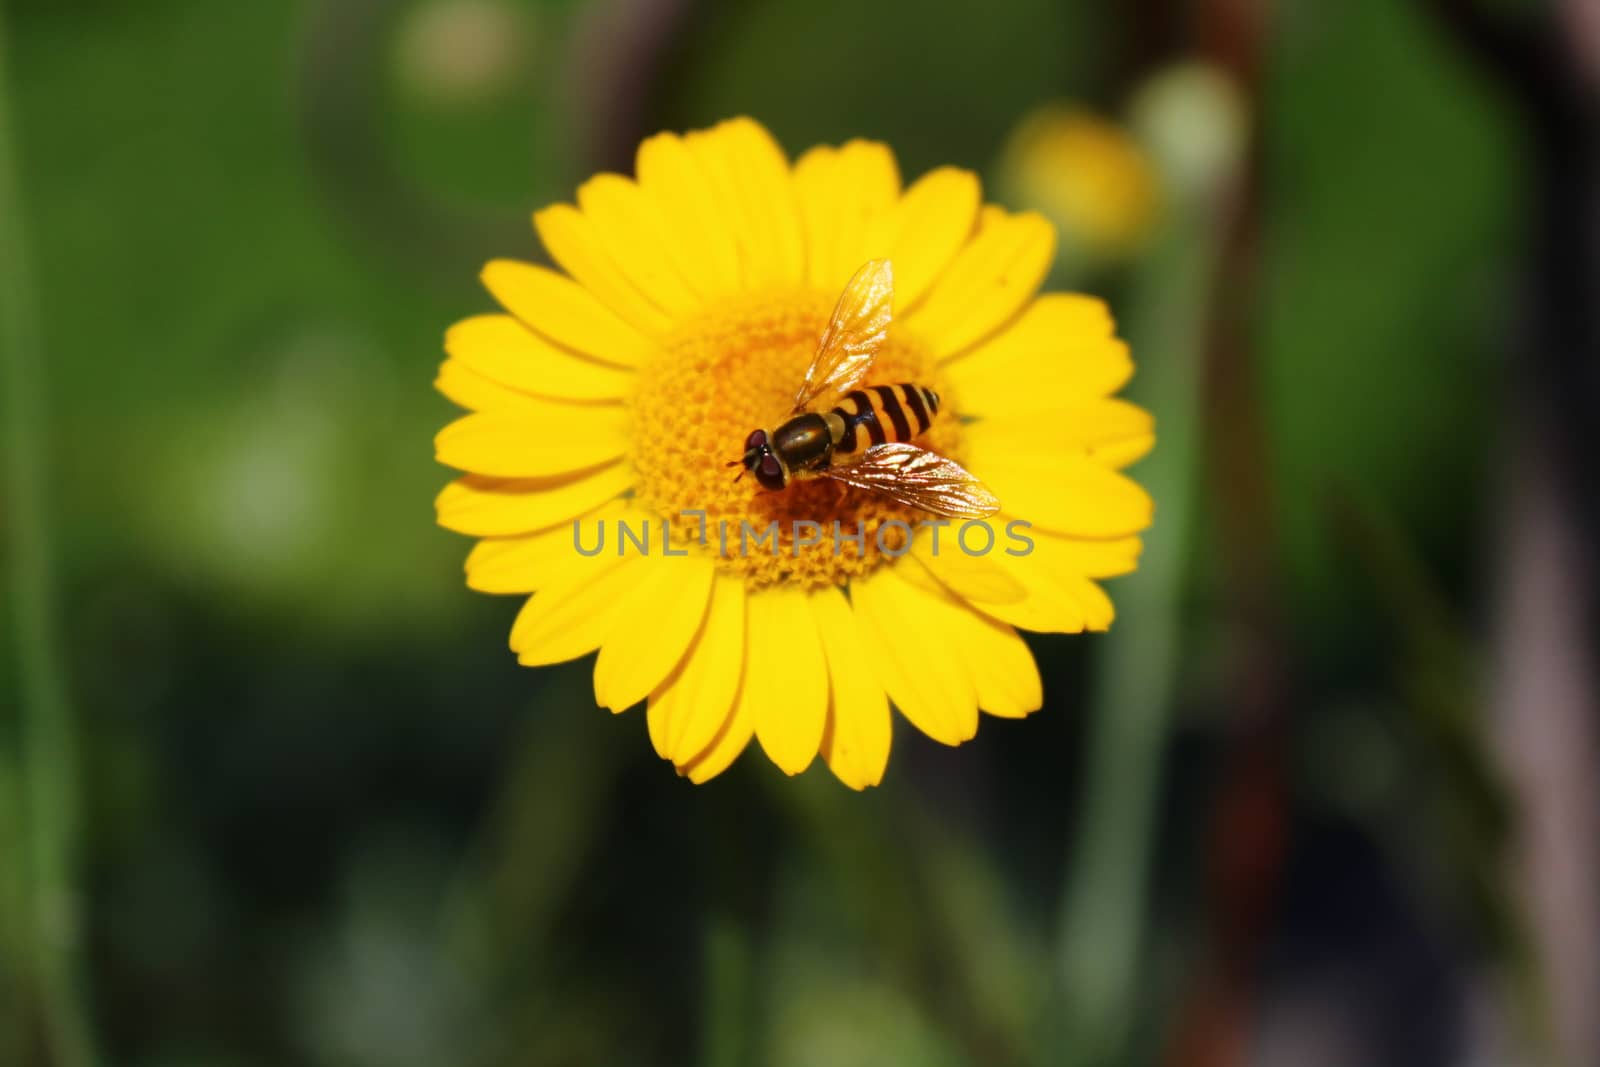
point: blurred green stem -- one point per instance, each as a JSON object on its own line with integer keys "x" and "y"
{"x": 926, "y": 896}
{"x": 728, "y": 973}
{"x": 1104, "y": 902}
{"x": 45, "y": 734}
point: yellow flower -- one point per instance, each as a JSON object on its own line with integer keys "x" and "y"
{"x": 687, "y": 308}
{"x": 1087, "y": 175}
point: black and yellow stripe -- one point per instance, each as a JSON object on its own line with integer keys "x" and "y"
{"x": 883, "y": 413}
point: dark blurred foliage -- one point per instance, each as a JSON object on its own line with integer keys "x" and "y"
{"x": 327, "y": 819}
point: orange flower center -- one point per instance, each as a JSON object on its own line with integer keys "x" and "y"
{"x": 736, "y": 369}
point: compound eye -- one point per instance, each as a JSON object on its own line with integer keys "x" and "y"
{"x": 757, "y": 439}
{"x": 770, "y": 473}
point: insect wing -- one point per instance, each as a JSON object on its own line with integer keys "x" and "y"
{"x": 855, "y": 333}
{"x": 920, "y": 478}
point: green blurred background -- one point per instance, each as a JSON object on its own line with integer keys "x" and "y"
{"x": 272, "y": 790}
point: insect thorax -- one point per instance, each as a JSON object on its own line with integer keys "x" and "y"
{"x": 804, "y": 442}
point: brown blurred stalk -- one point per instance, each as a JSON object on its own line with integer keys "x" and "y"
{"x": 621, "y": 51}
{"x": 46, "y": 756}
{"x": 1246, "y": 836}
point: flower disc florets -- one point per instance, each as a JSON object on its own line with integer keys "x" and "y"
{"x": 734, "y": 370}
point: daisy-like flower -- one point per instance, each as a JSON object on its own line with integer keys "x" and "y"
{"x": 608, "y": 399}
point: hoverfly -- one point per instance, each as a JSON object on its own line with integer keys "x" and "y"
{"x": 862, "y": 436}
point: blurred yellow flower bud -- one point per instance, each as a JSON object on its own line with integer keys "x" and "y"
{"x": 1088, "y": 176}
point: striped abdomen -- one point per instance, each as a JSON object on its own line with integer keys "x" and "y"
{"x": 882, "y": 413}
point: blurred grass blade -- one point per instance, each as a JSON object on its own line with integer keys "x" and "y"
{"x": 728, "y": 974}
{"x": 1104, "y": 900}
{"x": 927, "y": 896}
{"x": 1471, "y": 813}
{"x": 47, "y": 752}
{"x": 1103, "y": 907}
{"x": 501, "y": 920}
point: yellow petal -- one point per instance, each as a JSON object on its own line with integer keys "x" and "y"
{"x": 1060, "y": 597}
{"x": 659, "y": 619}
{"x": 497, "y": 507}
{"x": 991, "y": 281}
{"x": 1091, "y": 558}
{"x": 767, "y": 190}
{"x": 1121, "y": 453}
{"x": 869, "y": 169}
{"x": 841, "y": 192}
{"x": 573, "y": 243}
{"x": 523, "y": 564}
{"x": 1066, "y": 492}
{"x": 698, "y": 229}
{"x": 907, "y": 637}
{"x": 731, "y": 739}
{"x": 732, "y": 735}
{"x": 1098, "y": 611}
{"x": 972, "y": 576}
{"x": 1068, "y": 564}
{"x": 692, "y": 704}
{"x": 924, "y": 231}
{"x": 658, "y": 717}
{"x": 786, "y": 677}
{"x": 997, "y": 662}
{"x": 748, "y": 173}
{"x": 574, "y": 614}
{"x": 537, "y": 440}
{"x": 503, "y": 350}
{"x": 1000, "y": 665}
{"x": 856, "y": 740}
{"x": 817, "y": 194}
{"x": 1097, "y": 427}
{"x": 1060, "y": 349}
{"x": 473, "y": 391}
{"x": 1056, "y": 604}
{"x": 628, "y": 224}
{"x": 1047, "y": 609}
{"x": 565, "y": 312}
